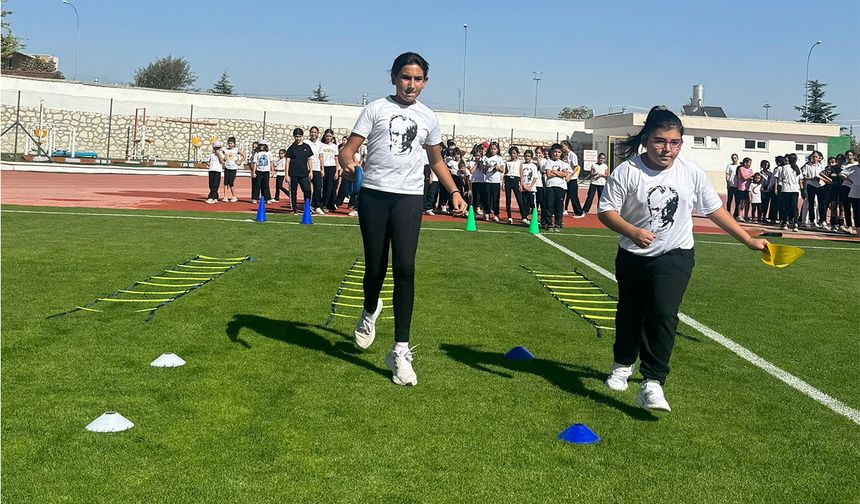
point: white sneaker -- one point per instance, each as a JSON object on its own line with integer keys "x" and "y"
{"x": 318, "y": 211}
{"x": 365, "y": 328}
{"x": 510, "y": 220}
{"x": 618, "y": 375}
{"x": 353, "y": 213}
{"x": 209, "y": 201}
{"x": 234, "y": 200}
{"x": 400, "y": 364}
{"x": 580, "y": 216}
{"x": 479, "y": 212}
{"x": 651, "y": 396}
{"x": 429, "y": 212}
{"x": 564, "y": 213}
{"x": 526, "y": 222}
{"x": 486, "y": 217}
{"x": 495, "y": 218}
{"x": 225, "y": 200}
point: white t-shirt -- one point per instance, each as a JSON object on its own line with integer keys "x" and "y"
{"x": 453, "y": 167}
{"x": 598, "y": 169}
{"x": 846, "y": 170}
{"x": 494, "y": 166}
{"x": 556, "y": 166}
{"x": 396, "y": 135}
{"x": 572, "y": 160}
{"x": 660, "y": 201}
{"x": 853, "y": 177}
{"x": 755, "y": 193}
{"x": 263, "y": 159}
{"x": 316, "y": 147}
{"x": 810, "y": 172}
{"x": 329, "y": 152}
{"x": 731, "y": 171}
{"x": 478, "y": 174}
{"x": 787, "y": 179}
{"x": 531, "y": 172}
{"x": 215, "y": 163}
{"x": 513, "y": 168}
{"x": 231, "y": 156}
{"x": 281, "y": 166}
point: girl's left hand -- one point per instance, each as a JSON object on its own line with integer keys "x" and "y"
{"x": 459, "y": 204}
{"x": 757, "y": 244}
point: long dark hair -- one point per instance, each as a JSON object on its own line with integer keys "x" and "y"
{"x": 792, "y": 160}
{"x": 658, "y": 118}
{"x": 409, "y": 58}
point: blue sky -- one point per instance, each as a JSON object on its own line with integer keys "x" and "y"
{"x": 593, "y": 53}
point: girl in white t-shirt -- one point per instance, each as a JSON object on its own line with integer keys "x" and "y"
{"x": 233, "y": 159}
{"x": 557, "y": 173}
{"x": 476, "y": 168}
{"x": 649, "y": 201}
{"x": 493, "y": 165}
{"x": 788, "y": 181}
{"x": 513, "y": 177}
{"x": 280, "y": 175}
{"x": 755, "y": 197}
{"x": 529, "y": 184}
{"x": 216, "y": 166}
{"x": 541, "y": 194}
{"x": 316, "y": 169}
{"x": 261, "y": 170}
{"x": 397, "y": 128}
{"x": 328, "y": 151}
{"x": 597, "y": 174}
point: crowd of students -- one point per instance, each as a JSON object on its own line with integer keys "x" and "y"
{"x": 772, "y": 196}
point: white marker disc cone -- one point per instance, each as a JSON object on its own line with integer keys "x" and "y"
{"x": 110, "y": 421}
{"x": 168, "y": 360}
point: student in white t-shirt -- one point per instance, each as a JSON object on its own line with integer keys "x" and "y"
{"x": 789, "y": 179}
{"x": 755, "y": 190}
{"x": 233, "y": 159}
{"x": 453, "y": 163}
{"x": 649, "y": 201}
{"x": 493, "y": 165}
{"x": 513, "y": 178}
{"x": 281, "y": 175}
{"x": 397, "y": 128}
{"x": 557, "y": 173}
{"x": 331, "y": 169}
{"x": 529, "y": 183}
{"x": 731, "y": 181}
{"x": 597, "y": 174}
{"x": 476, "y": 168}
{"x": 542, "y": 192}
{"x": 261, "y": 170}
{"x": 571, "y": 198}
{"x": 216, "y": 166}
{"x": 316, "y": 170}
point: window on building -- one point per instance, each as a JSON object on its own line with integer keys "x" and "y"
{"x": 715, "y": 142}
{"x": 698, "y": 141}
{"x": 755, "y": 145}
{"x": 810, "y": 147}
{"x": 800, "y": 147}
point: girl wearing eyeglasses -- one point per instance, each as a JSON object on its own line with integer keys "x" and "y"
{"x": 649, "y": 201}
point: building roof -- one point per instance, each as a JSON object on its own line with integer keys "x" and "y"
{"x": 636, "y": 120}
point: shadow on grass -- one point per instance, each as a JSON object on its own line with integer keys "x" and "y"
{"x": 568, "y": 377}
{"x": 301, "y": 335}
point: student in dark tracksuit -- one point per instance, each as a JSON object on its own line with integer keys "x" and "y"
{"x": 649, "y": 201}
{"x": 299, "y": 168}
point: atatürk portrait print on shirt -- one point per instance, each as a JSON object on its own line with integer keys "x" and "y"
{"x": 662, "y": 204}
{"x": 402, "y": 131}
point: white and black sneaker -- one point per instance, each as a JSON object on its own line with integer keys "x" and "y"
{"x": 651, "y": 396}
{"x": 399, "y": 361}
{"x": 365, "y": 328}
{"x": 618, "y": 375}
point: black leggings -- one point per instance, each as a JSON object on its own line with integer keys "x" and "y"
{"x": 431, "y": 192}
{"x": 592, "y": 190}
{"x": 572, "y": 196}
{"x": 513, "y": 184}
{"x": 316, "y": 196}
{"x": 492, "y": 190}
{"x": 479, "y": 195}
{"x": 263, "y": 183}
{"x": 788, "y": 202}
{"x": 214, "y": 182}
{"x": 295, "y": 182}
{"x": 279, "y": 187}
{"x": 528, "y": 203}
{"x": 554, "y": 205}
{"x": 390, "y": 220}
{"x": 329, "y": 188}
{"x": 650, "y": 291}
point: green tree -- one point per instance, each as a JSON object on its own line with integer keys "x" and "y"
{"x": 581, "y": 112}
{"x": 318, "y": 94}
{"x": 9, "y": 42}
{"x": 37, "y": 64}
{"x": 165, "y": 73}
{"x": 223, "y": 86}
{"x": 816, "y": 110}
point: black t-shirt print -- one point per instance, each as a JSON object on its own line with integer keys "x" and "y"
{"x": 298, "y": 156}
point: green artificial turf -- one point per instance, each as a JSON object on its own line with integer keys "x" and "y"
{"x": 273, "y": 406}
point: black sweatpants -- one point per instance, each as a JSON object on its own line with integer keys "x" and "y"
{"x": 279, "y": 187}
{"x": 819, "y": 194}
{"x": 255, "y": 187}
{"x": 214, "y": 183}
{"x": 479, "y": 198}
{"x": 390, "y": 220}
{"x": 650, "y": 291}
{"x": 846, "y": 205}
{"x": 592, "y": 190}
{"x": 542, "y": 193}
{"x": 430, "y": 195}
{"x": 572, "y": 196}
{"x": 554, "y": 205}
{"x": 295, "y": 183}
{"x": 528, "y": 203}
{"x": 263, "y": 181}
{"x": 730, "y": 194}
{"x": 492, "y": 190}
{"x": 767, "y": 204}
{"x": 344, "y": 191}
{"x": 329, "y": 187}
{"x": 316, "y": 196}
{"x": 512, "y": 184}
{"x": 788, "y": 202}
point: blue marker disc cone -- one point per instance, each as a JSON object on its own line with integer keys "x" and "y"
{"x": 261, "y": 211}
{"x": 359, "y": 177}
{"x": 519, "y": 353}
{"x": 578, "y": 434}
{"x": 306, "y": 217}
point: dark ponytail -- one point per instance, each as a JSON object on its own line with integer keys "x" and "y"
{"x": 792, "y": 160}
{"x": 658, "y": 118}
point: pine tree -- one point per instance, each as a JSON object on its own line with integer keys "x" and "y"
{"x": 223, "y": 86}
{"x": 10, "y": 43}
{"x": 318, "y": 94}
{"x": 816, "y": 110}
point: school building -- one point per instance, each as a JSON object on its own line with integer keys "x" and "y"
{"x": 711, "y": 141}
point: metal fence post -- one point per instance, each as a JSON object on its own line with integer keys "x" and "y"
{"x": 110, "y": 121}
{"x": 264, "y": 124}
{"x": 454, "y": 133}
{"x": 330, "y": 120}
{"x": 190, "y": 124}
{"x": 17, "y": 119}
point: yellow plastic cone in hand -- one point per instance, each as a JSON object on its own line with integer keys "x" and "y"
{"x": 780, "y": 256}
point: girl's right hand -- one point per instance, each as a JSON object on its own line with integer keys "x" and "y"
{"x": 642, "y": 237}
{"x": 348, "y": 171}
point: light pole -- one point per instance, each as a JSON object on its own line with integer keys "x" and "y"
{"x": 806, "y": 82}
{"x": 536, "y": 76}
{"x": 77, "y": 35}
{"x": 465, "y": 37}
{"x": 767, "y": 107}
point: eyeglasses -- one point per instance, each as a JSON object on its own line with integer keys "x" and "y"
{"x": 662, "y": 143}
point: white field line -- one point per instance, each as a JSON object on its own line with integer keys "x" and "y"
{"x": 784, "y": 376}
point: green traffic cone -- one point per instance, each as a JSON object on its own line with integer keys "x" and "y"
{"x": 534, "y": 227}
{"x": 470, "y": 220}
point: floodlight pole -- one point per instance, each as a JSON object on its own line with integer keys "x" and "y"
{"x": 77, "y": 35}
{"x": 465, "y": 38}
{"x": 806, "y": 82}
{"x": 536, "y": 76}
{"x": 767, "y": 107}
